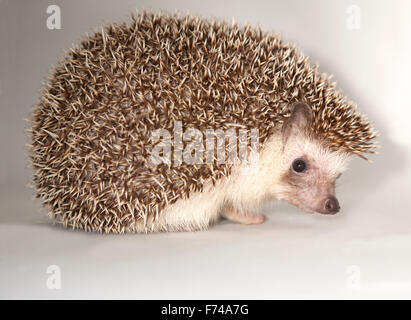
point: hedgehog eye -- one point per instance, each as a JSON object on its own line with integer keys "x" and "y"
{"x": 299, "y": 165}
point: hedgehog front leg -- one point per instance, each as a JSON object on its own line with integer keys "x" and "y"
{"x": 235, "y": 215}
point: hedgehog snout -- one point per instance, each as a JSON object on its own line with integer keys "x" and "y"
{"x": 330, "y": 206}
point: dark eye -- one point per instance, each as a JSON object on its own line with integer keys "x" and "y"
{"x": 299, "y": 165}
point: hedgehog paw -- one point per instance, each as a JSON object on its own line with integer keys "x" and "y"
{"x": 254, "y": 219}
{"x": 245, "y": 219}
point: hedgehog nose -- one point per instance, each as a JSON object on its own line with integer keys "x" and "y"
{"x": 331, "y": 205}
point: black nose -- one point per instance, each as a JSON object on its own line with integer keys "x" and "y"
{"x": 331, "y": 205}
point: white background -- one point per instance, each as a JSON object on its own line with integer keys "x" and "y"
{"x": 364, "y": 252}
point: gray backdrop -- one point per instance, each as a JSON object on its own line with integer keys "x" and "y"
{"x": 362, "y": 252}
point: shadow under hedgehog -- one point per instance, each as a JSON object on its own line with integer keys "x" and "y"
{"x": 91, "y": 131}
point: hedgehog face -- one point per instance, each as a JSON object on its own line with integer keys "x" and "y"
{"x": 309, "y": 175}
{"x": 309, "y": 169}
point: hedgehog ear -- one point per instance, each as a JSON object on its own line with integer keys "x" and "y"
{"x": 299, "y": 121}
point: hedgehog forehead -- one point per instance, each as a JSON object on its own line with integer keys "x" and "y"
{"x": 316, "y": 154}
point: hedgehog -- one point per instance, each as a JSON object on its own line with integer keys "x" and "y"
{"x": 171, "y": 122}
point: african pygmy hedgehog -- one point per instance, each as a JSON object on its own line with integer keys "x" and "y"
{"x": 118, "y": 136}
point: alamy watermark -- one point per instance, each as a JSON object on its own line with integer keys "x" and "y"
{"x": 353, "y": 21}
{"x": 193, "y": 146}
{"x": 53, "y": 281}
{"x": 353, "y": 280}
{"x": 53, "y": 21}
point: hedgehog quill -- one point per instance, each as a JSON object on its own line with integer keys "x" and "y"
{"x": 92, "y": 131}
